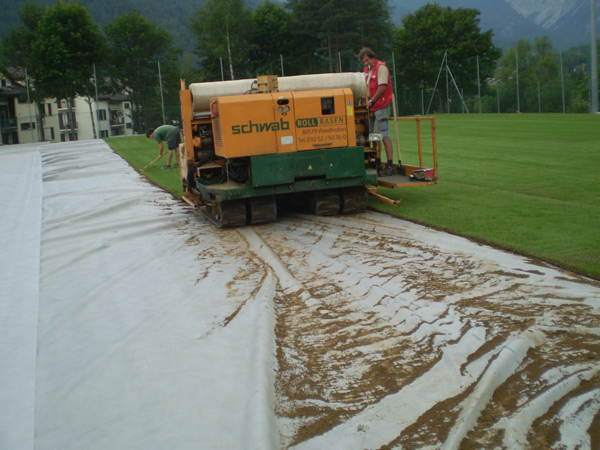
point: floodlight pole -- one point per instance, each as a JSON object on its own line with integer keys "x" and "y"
{"x": 478, "y": 85}
{"x": 517, "y": 72}
{"x": 229, "y": 48}
{"x": 162, "y": 99}
{"x": 562, "y": 83}
{"x": 498, "y": 97}
{"x": 96, "y": 89}
{"x": 594, "y": 60}
{"x": 436, "y": 82}
{"x": 29, "y": 103}
{"x": 447, "y": 88}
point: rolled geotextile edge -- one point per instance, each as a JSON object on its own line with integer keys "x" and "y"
{"x": 203, "y": 92}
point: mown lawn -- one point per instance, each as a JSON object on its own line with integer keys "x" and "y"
{"x": 529, "y": 183}
{"x": 139, "y": 151}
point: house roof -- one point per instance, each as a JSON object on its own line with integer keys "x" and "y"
{"x": 10, "y": 91}
{"x": 114, "y": 98}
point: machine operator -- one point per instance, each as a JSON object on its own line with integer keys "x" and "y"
{"x": 379, "y": 84}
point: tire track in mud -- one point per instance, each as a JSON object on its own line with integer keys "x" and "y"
{"x": 362, "y": 315}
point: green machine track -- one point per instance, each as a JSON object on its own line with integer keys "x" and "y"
{"x": 322, "y": 182}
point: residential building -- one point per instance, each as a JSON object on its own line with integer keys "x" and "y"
{"x": 8, "y": 117}
{"x": 109, "y": 116}
{"x": 114, "y": 115}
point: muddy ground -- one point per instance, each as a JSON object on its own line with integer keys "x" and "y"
{"x": 132, "y": 322}
{"x": 390, "y": 335}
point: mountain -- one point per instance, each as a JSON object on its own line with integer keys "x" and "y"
{"x": 573, "y": 26}
{"x": 566, "y": 22}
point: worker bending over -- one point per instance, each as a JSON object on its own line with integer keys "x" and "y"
{"x": 170, "y": 134}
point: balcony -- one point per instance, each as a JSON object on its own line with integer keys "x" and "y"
{"x": 8, "y": 123}
{"x": 66, "y": 127}
{"x": 117, "y": 121}
{"x": 64, "y": 105}
{"x": 117, "y": 118}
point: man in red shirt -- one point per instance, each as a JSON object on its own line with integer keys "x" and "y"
{"x": 379, "y": 84}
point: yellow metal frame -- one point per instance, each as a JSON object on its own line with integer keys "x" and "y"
{"x": 409, "y": 169}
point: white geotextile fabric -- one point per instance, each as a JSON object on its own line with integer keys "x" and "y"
{"x": 108, "y": 335}
{"x": 20, "y": 225}
{"x": 127, "y": 322}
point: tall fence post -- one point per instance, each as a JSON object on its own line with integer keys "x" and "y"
{"x": 562, "y": 84}
{"x": 478, "y": 85}
{"x": 29, "y": 103}
{"x": 97, "y": 106}
{"x": 162, "y": 100}
{"x": 517, "y": 72}
{"x": 594, "y": 60}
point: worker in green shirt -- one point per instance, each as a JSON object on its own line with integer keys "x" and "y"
{"x": 170, "y": 134}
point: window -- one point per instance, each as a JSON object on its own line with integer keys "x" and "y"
{"x": 126, "y": 105}
{"x": 64, "y": 104}
{"x": 103, "y": 134}
{"x": 27, "y": 126}
{"x": 327, "y": 106}
{"x": 52, "y": 133}
{"x": 49, "y": 109}
{"x": 101, "y": 114}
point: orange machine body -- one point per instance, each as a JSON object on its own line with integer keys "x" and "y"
{"x": 283, "y": 122}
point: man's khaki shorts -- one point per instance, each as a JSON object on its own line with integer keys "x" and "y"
{"x": 380, "y": 122}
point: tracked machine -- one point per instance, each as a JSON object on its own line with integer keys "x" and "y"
{"x": 254, "y": 147}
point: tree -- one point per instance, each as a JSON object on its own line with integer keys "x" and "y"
{"x": 189, "y": 73}
{"x": 136, "y": 48}
{"x": 65, "y": 45}
{"x": 222, "y": 28}
{"x": 539, "y": 88}
{"x": 15, "y": 51}
{"x": 576, "y": 62}
{"x": 16, "y": 46}
{"x": 546, "y": 75}
{"x": 331, "y": 32}
{"x": 270, "y": 37}
{"x": 429, "y": 34}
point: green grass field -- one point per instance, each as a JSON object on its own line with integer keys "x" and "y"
{"x": 140, "y": 151}
{"x": 529, "y": 183}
